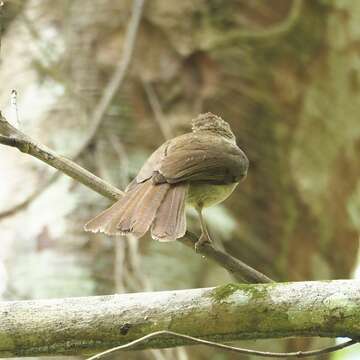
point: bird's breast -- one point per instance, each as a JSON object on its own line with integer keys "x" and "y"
{"x": 205, "y": 195}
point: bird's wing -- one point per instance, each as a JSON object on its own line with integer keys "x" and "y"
{"x": 151, "y": 165}
{"x": 195, "y": 157}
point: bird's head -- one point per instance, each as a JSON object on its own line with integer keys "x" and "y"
{"x": 213, "y": 123}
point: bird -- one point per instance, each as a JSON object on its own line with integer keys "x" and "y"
{"x": 198, "y": 169}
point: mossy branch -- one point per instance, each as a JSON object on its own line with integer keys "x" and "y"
{"x": 82, "y": 326}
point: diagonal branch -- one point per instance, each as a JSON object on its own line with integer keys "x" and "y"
{"x": 17, "y": 139}
{"x": 237, "y": 268}
{"x": 97, "y": 117}
{"x": 117, "y": 78}
{"x": 157, "y": 110}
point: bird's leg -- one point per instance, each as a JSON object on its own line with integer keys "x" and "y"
{"x": 204, "y": 237}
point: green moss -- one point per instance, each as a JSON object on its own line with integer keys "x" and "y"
{"x": 257, "y": 292}
{"x": 221, "y": 293}
{"x": 252, "y": 292}
{"x": 6, "y": 342}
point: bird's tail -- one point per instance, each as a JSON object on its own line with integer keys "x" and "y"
{"x": 170, "y": 220}
{"x": 140, "y": 207}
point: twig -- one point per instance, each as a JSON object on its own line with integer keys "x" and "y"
{"x": 275, "y": 30}
{"x": 13, "y": 100}
{"x": 114, "y": 84}
{"x": 157, "y": 110}
{"x": 296, "y": 354}
{"x": 23, "y": 204}
{"x": 241, "y": 271}
{"x": 15, "y": 138}
{"x": 117, "y": 78}
{"x": 120, "y": 151}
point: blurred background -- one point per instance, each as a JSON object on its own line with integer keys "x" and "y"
{"x": 284, "y": 73}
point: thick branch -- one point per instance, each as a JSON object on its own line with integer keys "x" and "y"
{"x": 15, "y": 138}
{"x": 91, "y": 324}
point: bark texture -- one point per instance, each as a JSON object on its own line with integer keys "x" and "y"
{"x": 230, "y": 312}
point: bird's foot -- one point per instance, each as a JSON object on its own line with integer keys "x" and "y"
{"x": 203, "y": 239}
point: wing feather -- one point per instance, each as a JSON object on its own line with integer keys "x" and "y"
{"x": 212, "y": 159}
{"x": 195, "y": 157}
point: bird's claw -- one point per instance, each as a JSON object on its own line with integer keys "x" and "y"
{"x": 203, "y": 239}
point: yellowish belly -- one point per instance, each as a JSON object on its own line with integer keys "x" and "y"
{"x": 208, "y": 195}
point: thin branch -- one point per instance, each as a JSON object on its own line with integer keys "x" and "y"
{"x": 117, "y": 78}
{"x": 15, "y": 138}
{"x": 275, "y": 30}
{"x": 123, "y": 158}
{"x": 194, "y": 340}
{"x": 241, "y": 271}
{"x": 114, "y": 84}
{"x": 157, "y": 110}
{"x": 34, "y": 195}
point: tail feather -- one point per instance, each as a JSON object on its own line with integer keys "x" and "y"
{"x": 138, "y": 217}
{"x": 134, "y": 213}
{"x": 100, "y": 222}
{"x": 170, "y": 220}
{"x": 126, "y": 212}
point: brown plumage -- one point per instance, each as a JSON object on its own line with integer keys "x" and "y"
{"x": 170, "y": 221}
{"x": 134, "y": 213}
{"x": 201, "y": 168}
